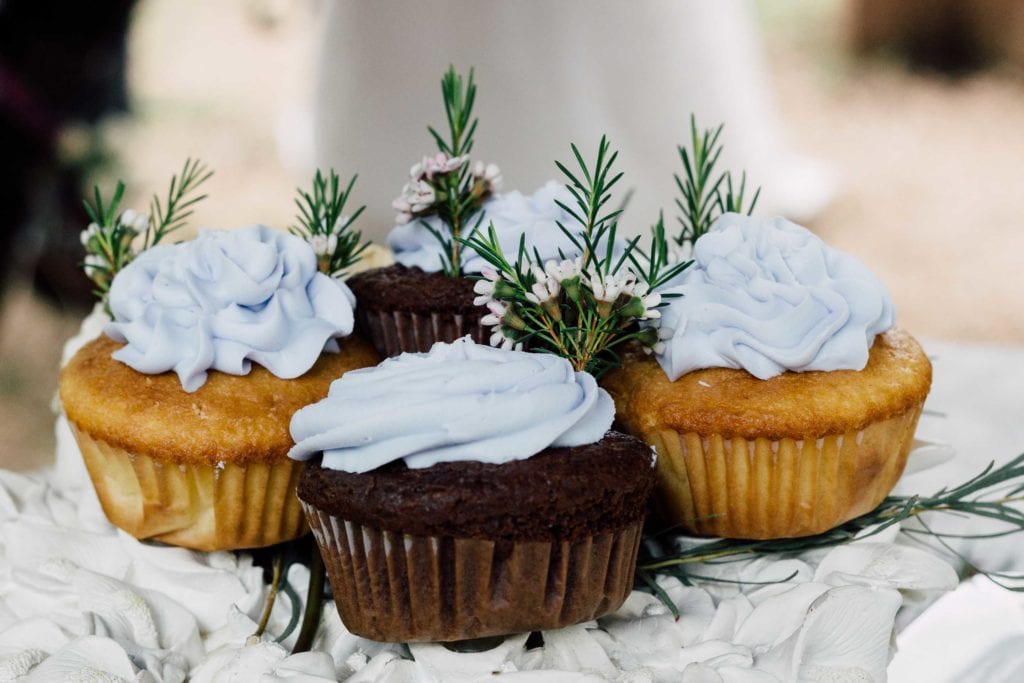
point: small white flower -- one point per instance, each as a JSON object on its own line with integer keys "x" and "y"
{"x": 651, "y": 302}
{"x": 141, "y": 222}
{"x": 605, "y": 289}
{"x": 546, "y": 288}
{"x": 439, "y": 164}
{"x": 485, "y": 290}
{"x": 420, "y": 195}
{"x": 131, "y": 218}
{"x": 499, "y": 339}
{"x": 563, "y": 270}
{"x": 89, "y": 233}
{"x": 497, "y": 312}
{"x": 417, "y": 196}
{"x": 95, "y": 261}
{"x": 609, "y": 287}
{"x": 323, "y": 245}
{"x": 485, "y": 287}
{"x": 488, "y": 174}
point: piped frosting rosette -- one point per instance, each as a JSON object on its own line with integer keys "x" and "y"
{"x": 225, "y": 300}
{"x": 767, "y": 296}
{"x": 514, "y": 216}
{"x": 459, "y": 401}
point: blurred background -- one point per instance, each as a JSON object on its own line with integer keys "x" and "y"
{"x": 901, "y": 126}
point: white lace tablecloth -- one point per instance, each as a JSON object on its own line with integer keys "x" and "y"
{"x": 82, "y": 601}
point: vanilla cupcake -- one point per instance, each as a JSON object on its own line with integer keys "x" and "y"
{"x": 412, "y": 304}
{"x": 782, "y": 401}
{"x": 181, "y": 411}
{"x": 470, "y": 492}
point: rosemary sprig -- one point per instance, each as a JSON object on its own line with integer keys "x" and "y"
{"x": 181, "y": 200}
{"x": 703, "y": 197}
{"x": 447, "y": 185}
{"x": 109, "y": 240}
{"x": 458, "y": 107}
{"x": 659, "y": 263}
{"x": 973, "y": 498}
{"x": 583, "y": 309}
{"x": 322, "y": 222}
{"x": 596, "y": 228}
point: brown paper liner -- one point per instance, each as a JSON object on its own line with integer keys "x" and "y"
{"x": 763, "y": 488}
{"x": 392, "y": 587}
{"x": 395, "y": 332}
{"x": 204, "y": 507}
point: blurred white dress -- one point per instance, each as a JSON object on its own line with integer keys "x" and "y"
{"x": 550, "y": 73}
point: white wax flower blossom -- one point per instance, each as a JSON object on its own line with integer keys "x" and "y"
{"x": 135, "y": 220}
{"x": 489, "y": 174}
{"x": 650, "y": 300}
{"x": 546, "y": 288}
{"x": 497, "y": 311}
{"x": 95, "y": 261}
{"x": 608, "y": 288}
{"x": 324, "y": 245}
{"x": 564, "y": 270}
{"x": 417, "y": 196}
{"x": 485, "y": 287}
{"x": 503, "y": 342}
{"x": 91, "y": 231}
{"x": 439, "y": 164}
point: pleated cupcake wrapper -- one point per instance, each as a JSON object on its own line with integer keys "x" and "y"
{"x": 762, "y": 488}
{"x": 395, "y": 332}
{"x": 205, "y": 507}
{"x": 390, "y": 586}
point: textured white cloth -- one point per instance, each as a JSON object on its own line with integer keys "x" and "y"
{"x": 80, "y": 600}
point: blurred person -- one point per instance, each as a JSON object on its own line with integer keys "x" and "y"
{"x": 551, "y": 73}
{"x": 62, "y": 66}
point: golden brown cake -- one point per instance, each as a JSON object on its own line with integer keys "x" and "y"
{"x": 793, "y": 455}
{"x": 205, "y": 470}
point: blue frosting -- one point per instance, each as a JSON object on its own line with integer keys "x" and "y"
{"x": 767, "y": 296}
{"x": 225, "y": 300}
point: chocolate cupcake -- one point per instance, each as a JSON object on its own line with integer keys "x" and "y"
{"x": 470, "y": 492}
{"x": 408, "y": 309}
{"x": 415, "y": 303}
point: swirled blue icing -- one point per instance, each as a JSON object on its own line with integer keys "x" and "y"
{"x": 225, "y": 300}
{"x": 459, "y": 401}
{"x": 766, "y": 295}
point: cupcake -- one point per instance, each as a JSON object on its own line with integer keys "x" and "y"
{"x": 470, "y": 492}
{"x": 181, "y": 410}
{"x": 782, "y": 401}
{"x": 416, "y": 302}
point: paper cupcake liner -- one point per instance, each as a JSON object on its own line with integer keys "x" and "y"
{"x": 390, "y": 586}
{"x": 395, "y": 332}
{"x": 763, "y": 488}
{"x": 204, "y": 507}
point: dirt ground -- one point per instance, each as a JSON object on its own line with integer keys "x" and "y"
{"x": 929, "y": 195}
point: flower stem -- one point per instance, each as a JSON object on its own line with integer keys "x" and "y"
{"x": 314, "y": 603}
